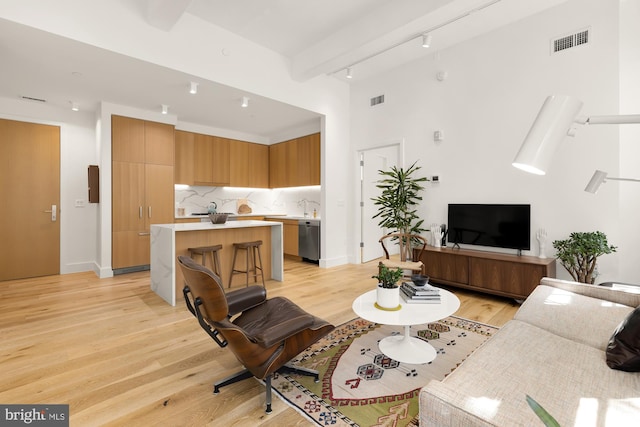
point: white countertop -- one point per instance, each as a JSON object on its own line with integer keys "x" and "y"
{"x": 193, "y": 226}
{"x": 205, "y": 218}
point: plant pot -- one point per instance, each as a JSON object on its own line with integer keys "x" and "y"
{"x": 388, "y": 298}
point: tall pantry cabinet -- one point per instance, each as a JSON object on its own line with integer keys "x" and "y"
{"x": 142, "y": 186}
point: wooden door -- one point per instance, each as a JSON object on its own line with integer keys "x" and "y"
{"x": 29, "y": 188}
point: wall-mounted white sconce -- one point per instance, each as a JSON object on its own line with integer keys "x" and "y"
{"x": 554, "y": 121}
{"x": 165, "y": 109}
{"x": 600, "y": 177}
{"x": 193, "y": 88}
{"x": 245, "y": 102}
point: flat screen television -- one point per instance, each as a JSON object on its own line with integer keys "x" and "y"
{"x": 502, "y": 226}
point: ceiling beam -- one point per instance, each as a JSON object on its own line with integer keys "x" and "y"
{"x": 164, "y": 14}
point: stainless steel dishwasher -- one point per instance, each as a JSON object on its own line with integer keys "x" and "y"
{"x": 309, "y": 239}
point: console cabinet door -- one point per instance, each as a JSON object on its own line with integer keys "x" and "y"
{"x": 505, "y": 277}
{"x": 446, "y": 267}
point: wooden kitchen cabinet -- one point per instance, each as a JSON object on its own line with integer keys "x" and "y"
{"x": 142, "y": 186}
{"x": 494, "y": 273}
{"x": 289, "y": 235}
{"x": 184, "y": 158}
{"x": 211, "y": 160}
{"x": 249, "y": 164}
{"x": 295, "y": 163}
{"x": 308, "y": 155}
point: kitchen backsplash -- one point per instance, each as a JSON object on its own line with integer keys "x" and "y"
{"x": 262, "y": 201}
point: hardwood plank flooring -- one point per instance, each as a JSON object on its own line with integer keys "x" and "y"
{"x": 119, "y": 355}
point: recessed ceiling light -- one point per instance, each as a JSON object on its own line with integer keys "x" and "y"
{"x": 165, "y": 109}
{"x": 245, "y": 102}
{"x": 74, "y": 106}
{"x": 193, "y": 88}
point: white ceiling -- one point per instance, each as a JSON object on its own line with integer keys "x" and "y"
{"x": 319, "y": 37}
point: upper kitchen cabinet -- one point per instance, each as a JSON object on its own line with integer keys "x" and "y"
{"x": 141, "y": 141}
{"x": 295, "y": 163}
{"x": 249, "y": 164}
{"x": 211, "y": 161}
{"x": 308, "y": 154}
{"x": 184, "y": 150}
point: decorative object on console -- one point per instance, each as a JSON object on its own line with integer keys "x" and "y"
{"x": 399, "y": 197}
{"x": 541, "y": 236}
{"x": 387, "y": 292}
{"x": 553, "y": 123}
{"x": 579, "y": 254}
{"x": 436, "y": 235}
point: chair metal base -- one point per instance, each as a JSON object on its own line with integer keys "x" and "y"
{"x": 244, "y": 374}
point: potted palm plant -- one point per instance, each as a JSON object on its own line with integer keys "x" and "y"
{"x": 579, "y": 254}
{"x": 388, "y": 292}
{"x": 397, "y": 203}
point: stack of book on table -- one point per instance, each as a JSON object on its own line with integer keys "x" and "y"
{"x": 413, "y": 294}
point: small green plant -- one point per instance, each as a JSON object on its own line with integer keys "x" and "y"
{"x": 388, "y": 278}
{"x": 579, "y": 254}
{"x": 542, "y": 413}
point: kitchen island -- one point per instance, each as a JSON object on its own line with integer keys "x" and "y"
{"x": 168, "y": 241}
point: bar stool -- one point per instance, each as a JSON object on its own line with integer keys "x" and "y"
{"x": 251, "y": 265}
{"x": 203, "y": 251}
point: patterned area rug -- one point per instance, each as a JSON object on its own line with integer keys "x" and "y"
{"x": 359, "y": 386}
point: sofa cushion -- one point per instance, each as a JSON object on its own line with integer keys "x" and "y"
{"x": 623, "y": 351}
{"x": 580, "y": 318}
{"x": 569, "y": 379}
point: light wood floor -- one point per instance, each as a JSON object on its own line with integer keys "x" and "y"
{"x": 119, "y": 355}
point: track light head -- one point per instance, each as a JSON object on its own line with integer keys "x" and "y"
{"x": 349, "y": 76}
{"x": 426, "y": 40}
{"x": 193, "y": 88}
{"x": 165, "y": 109}
{"x": 74, "y": 106}
{"x": 245, "y": 102}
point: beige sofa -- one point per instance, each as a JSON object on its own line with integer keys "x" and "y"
{"x": 554, "y": 351}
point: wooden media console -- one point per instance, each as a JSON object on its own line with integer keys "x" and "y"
{"x": 494, "y": 273}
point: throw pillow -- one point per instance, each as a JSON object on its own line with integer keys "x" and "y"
{"x": 623, "y": 350}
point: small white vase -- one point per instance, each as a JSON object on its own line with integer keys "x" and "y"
{"x": 388, "y": 298}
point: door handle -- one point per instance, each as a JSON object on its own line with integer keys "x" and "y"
{"x": 54, "y": 213}
{"x": 140, "y": 212}
{"x": 149, "y": 213}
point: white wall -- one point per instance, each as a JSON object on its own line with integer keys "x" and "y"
{"x": 629, "y": 142}
{"x": 496, "y": 84}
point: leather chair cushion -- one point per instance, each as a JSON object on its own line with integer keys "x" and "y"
{"x": 274, "y": 321}
{"x": 245, "y": 298}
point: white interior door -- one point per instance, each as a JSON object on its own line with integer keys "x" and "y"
{"x": 371, "y": 161}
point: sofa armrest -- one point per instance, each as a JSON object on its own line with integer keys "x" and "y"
{"x": 593, "y": 291}
{"x": 440, "y": 405}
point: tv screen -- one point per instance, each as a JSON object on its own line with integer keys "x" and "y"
{"x": 503, "y": 226}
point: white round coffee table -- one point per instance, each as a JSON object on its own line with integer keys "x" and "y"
{"x": 405, "y": 348}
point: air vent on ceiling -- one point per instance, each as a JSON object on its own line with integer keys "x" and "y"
{"x": 377, "y": 100}
{"x": 571, "y": 40}
{"x": 30, "y": 98}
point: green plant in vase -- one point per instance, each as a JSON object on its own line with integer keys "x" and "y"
{"x": 579, "y": 254}
{"x": 397, "y": 203}
{"x": 388, "y": 278}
